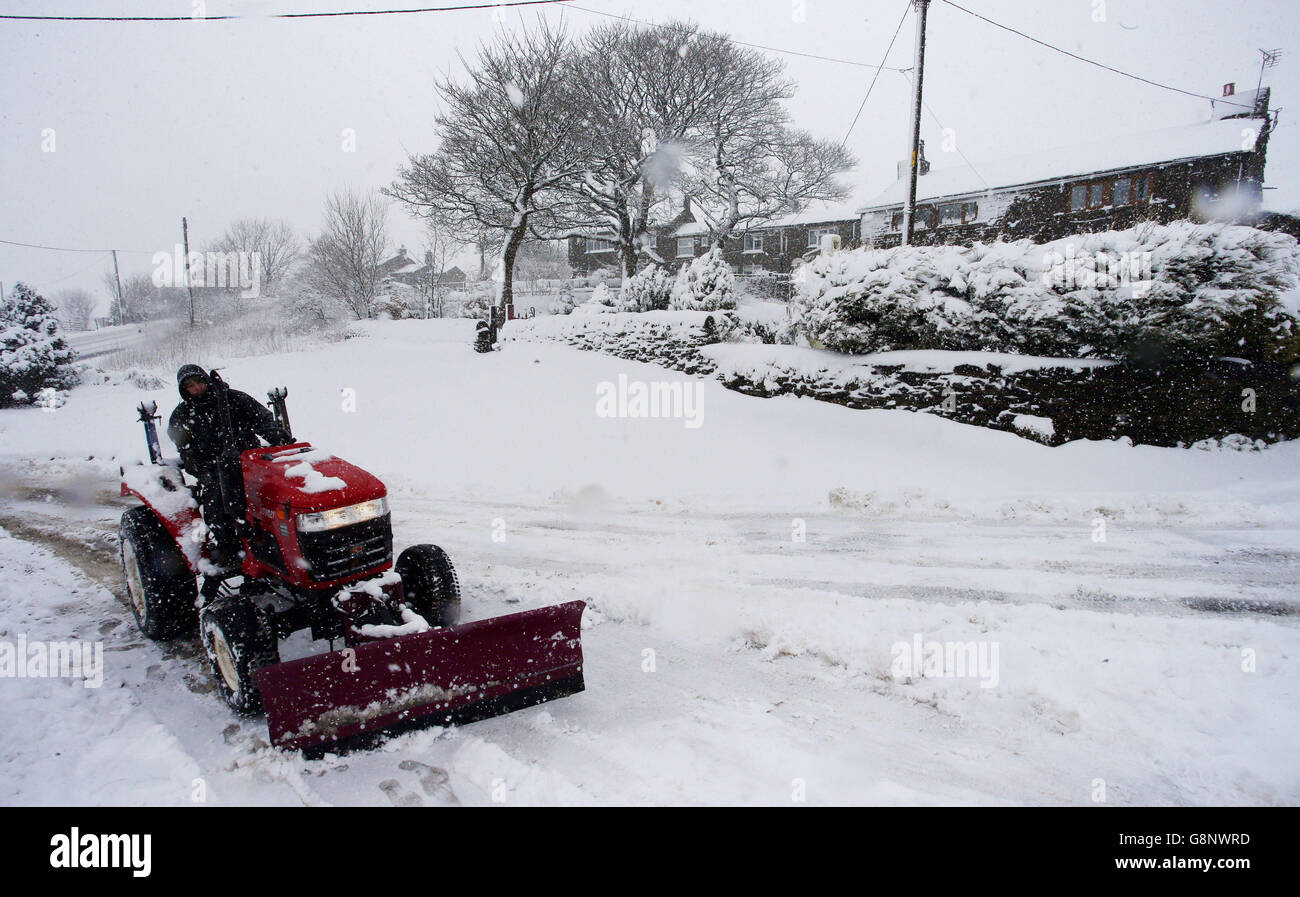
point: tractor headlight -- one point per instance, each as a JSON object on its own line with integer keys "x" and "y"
{"x": 336, "y": 517}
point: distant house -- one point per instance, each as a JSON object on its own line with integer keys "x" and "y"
{"x": 453, "y": 278}
{"x": 400, "y": 267}
{"x": 768, "y": 248}
{"x": 1210, "y": 170}
{"x": 404, "y": 269}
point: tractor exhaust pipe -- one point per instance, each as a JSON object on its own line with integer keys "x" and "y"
{"x": 279, "y": 409}
{"x": 149, "y": 414}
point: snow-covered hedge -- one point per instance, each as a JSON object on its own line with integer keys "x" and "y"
{"x": 1047, "y": 399}
{"x": 670, "y": 338}
{"x": 35, "y": 362}
{"x": 1202, "y": 289}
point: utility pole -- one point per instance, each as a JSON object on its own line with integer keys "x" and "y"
{"x": 189, "y": 285}
{"x": 121, "y": 312}
{"x": 909, "y": 210}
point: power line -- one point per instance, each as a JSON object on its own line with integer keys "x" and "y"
{"x": 865, "y": 65}
{"x": 969, "y": 163}
{"x": 282, "y": 15}
{"x": 876, "y": 76}
{"x": 1100, "y": 65}
{"x": 67, "y": 249}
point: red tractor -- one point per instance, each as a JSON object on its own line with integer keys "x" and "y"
{"x": 317, "y": 554}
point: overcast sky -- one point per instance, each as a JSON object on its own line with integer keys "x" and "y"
{"x": 221, "y": 120}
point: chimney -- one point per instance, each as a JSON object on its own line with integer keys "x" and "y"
{"x": 1250, "y": 103}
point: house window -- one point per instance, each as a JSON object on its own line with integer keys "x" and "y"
{"x": 815, "y": 235}
{"x": 685, "y": 247}
{"x": 1119, "y": 192}
{"x": 752, "y": 268}
{"x": 753, "y": 242}
{"x": 958, "y": 213}
{"x": 1123, "y": 187}
{"x": 1091, "y": 195}
{"x": 599, "y": 244}
{"x": 896, "y": 221}
{"x": 785, "y": 242}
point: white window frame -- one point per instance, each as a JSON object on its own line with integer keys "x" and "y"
{"x": 815, "y": 235}
{"x": 690, "y": 247}
{"x": 599, "y": 244}
{"x": 753, "y": 243}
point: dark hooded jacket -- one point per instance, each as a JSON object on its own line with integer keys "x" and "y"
{"x": 219, "y": 421}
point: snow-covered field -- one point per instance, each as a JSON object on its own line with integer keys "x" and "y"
{"x": 755, "y": 584}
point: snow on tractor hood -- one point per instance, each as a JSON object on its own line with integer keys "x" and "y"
{"x": 307, "y": 479}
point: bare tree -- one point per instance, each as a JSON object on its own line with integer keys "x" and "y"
{"x": 511, "y": 137}
{"x": 749, "y": 166}
{"x": 343, "y": 262}
{"x": 652, "y": 93}
{"x": 77, "y": 306}
{"x": 678, "y": 108}
{"x": 441, "y": 242}
{"x": 142, "y": 300}
{"x": 275, "y": 243}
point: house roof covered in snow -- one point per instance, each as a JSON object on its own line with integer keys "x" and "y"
{"x": 816, "y": 213}
{"x": 1213, "y": 138}
{"x": 691, "y": 229}
{"x": 821, "y": 213}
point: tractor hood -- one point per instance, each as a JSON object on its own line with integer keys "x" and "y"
{"x": 306, "y": 479}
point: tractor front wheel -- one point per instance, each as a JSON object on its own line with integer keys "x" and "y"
{"x": 159, "y": 584}
{"x": 239, "y": 642}
{"x": 430, "y": 584}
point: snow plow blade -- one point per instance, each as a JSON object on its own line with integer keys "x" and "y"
{"x": 441, "y": 677}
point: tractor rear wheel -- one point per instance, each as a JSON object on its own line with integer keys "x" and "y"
{"x": 159, "y": 584}
{"x": 239, "y": 642}
{"x": 430, "y": 584}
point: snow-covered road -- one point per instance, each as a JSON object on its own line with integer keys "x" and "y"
{"x": 750, "y": 584}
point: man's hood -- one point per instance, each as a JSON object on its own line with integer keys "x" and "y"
{"x": 188, "y": 372}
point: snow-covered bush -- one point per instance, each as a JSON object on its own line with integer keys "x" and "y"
{"x": 50, "y": 398}
{"x": 650, "y": 289}
{"x": 564, "y": 302}
{"x": 33, "y": 355}
{"x": 706, "y": 284}
{"x": 397, "y": 300}
{"x": 1189, "y": 289}
{"x": 600, "y": 303}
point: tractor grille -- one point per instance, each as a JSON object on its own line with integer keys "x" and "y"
{"x": 334, "y": 554}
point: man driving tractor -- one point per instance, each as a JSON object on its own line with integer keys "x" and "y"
{"x": 210, "y": 427}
